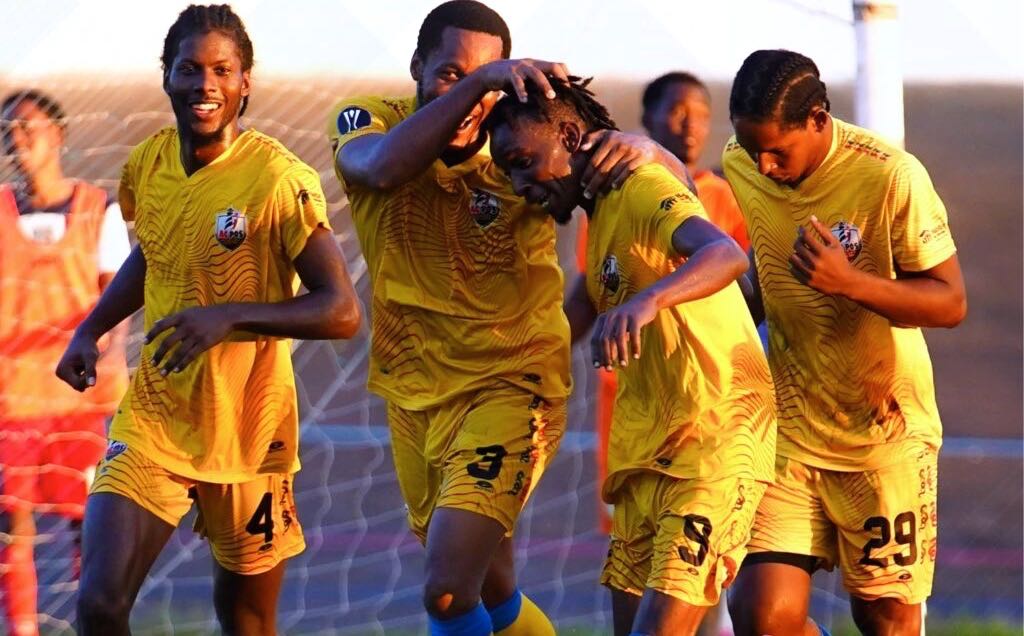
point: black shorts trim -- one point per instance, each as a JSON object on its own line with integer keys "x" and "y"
{"x": 805, "y": 562}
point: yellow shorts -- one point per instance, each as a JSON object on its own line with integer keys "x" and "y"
{"x": 483, "y": 452}
{"x": 682, "y": 537}
{"x": 251, "y": 526}
{"x": 878, "y": 525}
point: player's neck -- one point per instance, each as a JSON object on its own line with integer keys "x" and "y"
{"x": 823, "y": 151}
{"x": 454, "y": 156}
{"x": 47, "y": 186}
{"x": 198, "y": 151}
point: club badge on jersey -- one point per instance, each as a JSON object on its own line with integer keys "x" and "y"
{"x": 483, "y": 207}
{"x": 848, "y": 236}
{"x": 231, "y": 228}
{"x": 610, "y": 273}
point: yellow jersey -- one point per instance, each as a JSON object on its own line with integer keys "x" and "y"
{"x": 466, "y": 287}
{"x": 855, "y": 390}
{"x": 229, "y": 233}
{"x": 698, "y": 403}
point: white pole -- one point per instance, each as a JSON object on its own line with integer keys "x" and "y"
{"x": 878, "y": 98}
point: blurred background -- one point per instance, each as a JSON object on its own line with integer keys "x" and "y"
{"x": 963, "y": 65}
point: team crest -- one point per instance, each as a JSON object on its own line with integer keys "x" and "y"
{"x": 483, "y": 207}
{"x": 849, "y": 237}
{"x": 610, "y": 273}
{"x": 231, "y": 228}
{"x": 114, "y": 448}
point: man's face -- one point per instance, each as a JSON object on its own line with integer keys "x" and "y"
{"x": 539, "y": 160}
{"x": 460, "y": 53}
{"x": 786, "y": 155}
{"x": 206, "y": 84}
{"x": 31, "y": 136}
{"x": 680, "y": 121}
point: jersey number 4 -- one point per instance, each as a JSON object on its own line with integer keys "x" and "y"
{"x": 262, "y": 521}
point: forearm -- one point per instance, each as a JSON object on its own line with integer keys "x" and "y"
{"x": 709, "y": 270}
{"x": 321, "y": 314}
{"x": 388, "y": 160}
{"x": 579, "y": 311}
{"x": 120, "y": 299}
{"x": 916, "y": 302}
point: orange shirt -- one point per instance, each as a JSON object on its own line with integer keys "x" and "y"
{"x": 720, "y": 203}
{"x": 45, "y": 291}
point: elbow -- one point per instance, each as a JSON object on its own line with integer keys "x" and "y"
{"x": 739, "y": 263}
{"x": 956, "y": 313}
{"x": 345, "y": 317}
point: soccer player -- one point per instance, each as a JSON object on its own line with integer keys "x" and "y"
{"x": 469, "y": 344}
{"x": 226, "y": 218}
{"x": 62, "y": 242}
{"x": 677, "y": 115}
{"x": 854, "y": 256}
{"x": 693, "y": 436}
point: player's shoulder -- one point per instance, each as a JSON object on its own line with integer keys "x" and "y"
{"x": 269, "y": 155}
{"x": 352, "y": 113}
{"x": 160, "y": 142}
{"x": 650, "y": 188}
{"x": 868, "y": 150}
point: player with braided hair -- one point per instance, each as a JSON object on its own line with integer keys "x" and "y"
{"x": 229, "y": 221}
{"x": 852, "y": 255}
{"x": 692, "y": 439}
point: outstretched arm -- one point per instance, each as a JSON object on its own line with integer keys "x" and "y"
{"x": 713, "y": 261}
{"x": 384, "y": 161}
{"x": 578, "y": 309}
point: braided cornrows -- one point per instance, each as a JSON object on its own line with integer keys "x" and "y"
{"x": 573, "y": 101}
{"x": 777, "y": 85}
{"x": 198, "y": 18}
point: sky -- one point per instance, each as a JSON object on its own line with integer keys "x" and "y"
{"x": 942, "y": 40}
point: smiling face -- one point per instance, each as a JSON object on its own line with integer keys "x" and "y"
{"x": 31, "y": 136}
{"x": 786, "y": 154}
{"x": 206, "y": 84}
{"x": 460, "y": 53}
{"x": 542, "y": 161}
{"x": 681, "y": 120}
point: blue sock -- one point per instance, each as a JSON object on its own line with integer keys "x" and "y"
{"x": 475, "y": 622}
{"x": 821, "y": 628}
{"x": 505, "y": 614}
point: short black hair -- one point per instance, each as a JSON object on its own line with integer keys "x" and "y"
{"x": 462, "y": 14}
{"x": 50, "y": 106}
{"x": 656, "y": 89}
{"x": 199, "y": 18}
{"x": 573, "y": 101}
{"x": 777, "y": 85}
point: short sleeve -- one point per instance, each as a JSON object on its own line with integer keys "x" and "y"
{"x": 301, "y": 208}
{"x": 658, "y": 203}
{"x": 126, "y": 188}
{"x": 358, "y": 117}
{"x": 919, "y": 228}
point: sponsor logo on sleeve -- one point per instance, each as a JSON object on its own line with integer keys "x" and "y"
{"x": 352, "y": 118}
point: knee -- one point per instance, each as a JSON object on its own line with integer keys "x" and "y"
{"x": 886, "y": 616}
{"x": 102, "y": 611}
{"x": 446, "y": 597}
{"x": 766, "y": 614}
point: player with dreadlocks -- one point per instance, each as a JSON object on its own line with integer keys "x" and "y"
{"x": 692, "y": 439}
{"x": 853, "y": 256}
{"x": 226, "y": 219}
{"x": 469, "y": 345}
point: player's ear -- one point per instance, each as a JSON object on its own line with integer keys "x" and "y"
{"x": 645, "y": 120}
{"x": 167, "y": 83}
{"x": 570, "y": 135}
{"x": 819, "y": 118}
{"x": 246, "y": 83}
{"x": 416, "y": 67}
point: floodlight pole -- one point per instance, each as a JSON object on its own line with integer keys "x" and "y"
{"x": 878, "y": 95}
